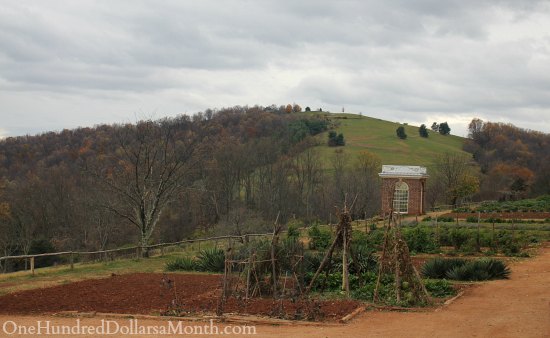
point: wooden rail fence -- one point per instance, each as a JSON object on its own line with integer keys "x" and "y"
{"x": 134, "y": 250}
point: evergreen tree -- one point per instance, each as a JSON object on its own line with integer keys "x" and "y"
{"x": 335, "y": 140}
{"x": 444, "y": 128}
{"x": 401, "y": 132}
{"x": 423, "y": 131}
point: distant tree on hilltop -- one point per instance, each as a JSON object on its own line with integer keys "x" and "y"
{"x": 423, "y": 131}
{"x": 444, "y": 128}
{"x": 400, "y": 131}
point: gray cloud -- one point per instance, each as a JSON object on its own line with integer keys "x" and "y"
{"x": 64, "y": 64}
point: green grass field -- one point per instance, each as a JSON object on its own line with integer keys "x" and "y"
{"x": 379, "y": 137}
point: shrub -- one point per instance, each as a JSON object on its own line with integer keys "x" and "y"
{"x": 39, "y": 246}
{"x": 420, "y": 239}
{"x": 319, "y": 239}
{"x": 181, "y": 264}
{"x": 509, "y": 245}
{"x": 482, "y": 269}
{"x": 459, "y": 237}
{"x": 437, "y": 268}
{"x": 212, "y": 260}
{"x": 439, "y": 288}
{"x": 336, "y": 140}
{"x": 460, "y": 269}
{"x": 312, "y": 260}
{"x": 293, "y": 231}
{"x": 365, "y": 259}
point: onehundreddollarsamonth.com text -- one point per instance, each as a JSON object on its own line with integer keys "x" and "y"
{"x": 130, "y": 327}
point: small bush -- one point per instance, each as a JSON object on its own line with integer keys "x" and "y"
{"x": 420, "y": 239}
{"x": 439, "y": 288}
{"x": 365, "y": 259}
{"x": 181, "y": 264}
{"x": 212, "y": 260}
{"x": 459, "y": 237}
{"x": 293, "y": 231}
{"x": 437, "y": 268}
{"x": 459, "y": 269}
{"x": 319, "y": 239}
{"x": 312, "y": 260}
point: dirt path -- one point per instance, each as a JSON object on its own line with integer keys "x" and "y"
{"x": 519, "y": 307}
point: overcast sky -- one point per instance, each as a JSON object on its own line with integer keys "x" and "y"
{"x": 65, "y": 64}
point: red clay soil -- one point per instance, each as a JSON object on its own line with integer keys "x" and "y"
{"x": 518, "y": 307}
{"x": 501, "y": 215}
{"x": 146, "y": 293}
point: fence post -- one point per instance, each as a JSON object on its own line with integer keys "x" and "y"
{"x": 72, "y": 260}
{"x": 32, "y": 265}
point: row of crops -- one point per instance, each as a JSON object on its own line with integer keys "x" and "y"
{"x": 539, "y": 204}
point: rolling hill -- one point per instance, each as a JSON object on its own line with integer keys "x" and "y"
{"x": 379, "y": 137}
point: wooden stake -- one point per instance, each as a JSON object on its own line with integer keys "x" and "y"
{"x": 324, "y": 262}
{"x": 345, "y": 270}
{"x": 32, "y": 265}
{"x": 478, "y": 244}
{"x": 274, "y": 240}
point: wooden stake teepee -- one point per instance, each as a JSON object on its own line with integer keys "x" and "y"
{"x": 395, "y": 259}
{"x": 343, "y": 240}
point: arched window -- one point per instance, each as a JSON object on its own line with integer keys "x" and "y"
{"x": 401, "y": 198}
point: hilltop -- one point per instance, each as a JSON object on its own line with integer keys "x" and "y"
{"x": 379, "y": 137}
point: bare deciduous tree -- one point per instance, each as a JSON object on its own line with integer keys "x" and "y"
{"x": 152, "y": 164}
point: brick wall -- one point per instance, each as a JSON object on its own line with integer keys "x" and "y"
{"x": 416, "y": 187}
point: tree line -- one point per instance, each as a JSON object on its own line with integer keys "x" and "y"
{"x": 231, "y": 170}
{"x": 514, "y": 162}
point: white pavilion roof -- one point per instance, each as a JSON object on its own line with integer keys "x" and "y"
{"x": 411, "y": 171}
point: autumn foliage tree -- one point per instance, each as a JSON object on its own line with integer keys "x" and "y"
{"x": 456, "y": 176}
{"x": 515, "y": 161}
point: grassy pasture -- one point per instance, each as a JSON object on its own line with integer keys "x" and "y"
{"x": 379, "y": 137}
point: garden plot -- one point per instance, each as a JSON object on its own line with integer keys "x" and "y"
{"x": 161, "y": 294}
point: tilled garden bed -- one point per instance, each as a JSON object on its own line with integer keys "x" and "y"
{"x": 157, "y": 294}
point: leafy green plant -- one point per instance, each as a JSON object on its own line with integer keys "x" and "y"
{"x": 319, "y": 239}
{"x": 312, "y": 260}
{"x": 212, "y": 260}
{"x": 459, "y": 237}
{"x": 181, "y": 264}
{"x": 420, "y": 239}
{"x": 460, "y": 269}
{"x": 364, "y": 259}
{"x": 439, "y": 288}
{"x": 437, "y": 268}
{"x": 293, "y": 231}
